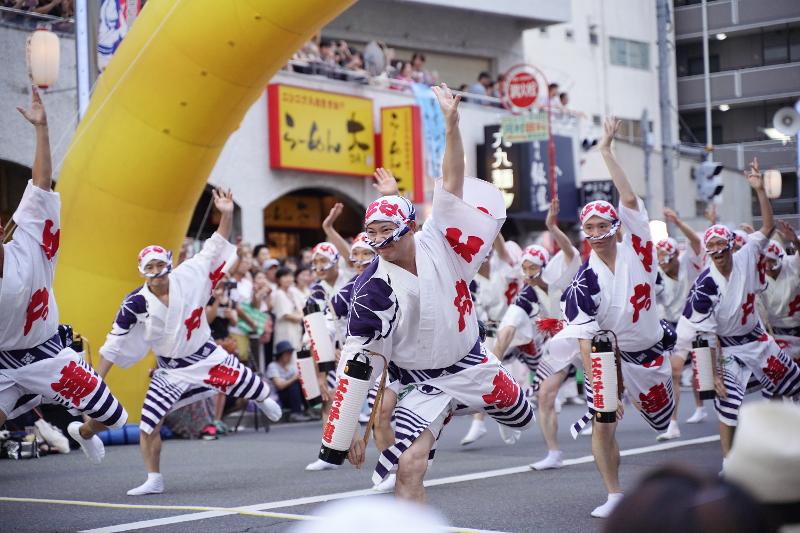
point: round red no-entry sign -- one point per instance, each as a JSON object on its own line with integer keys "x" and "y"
{"x": 523, "y": 89}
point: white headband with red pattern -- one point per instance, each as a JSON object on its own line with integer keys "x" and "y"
{"x": 604, "y": 210}
{"x": 395, "y": 209}
{"x": 360, "y": 241}
{"x": 669, "y": 246}
{"x": 157, "y": 253}
{"x": 718, "y": 231}
{"x": 329, "y": 252}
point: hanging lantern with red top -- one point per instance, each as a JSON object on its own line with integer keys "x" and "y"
{"x": 43, "y": 54}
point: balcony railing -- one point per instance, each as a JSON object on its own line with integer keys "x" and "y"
{"x": 770, "y": 154}
{"x": 732, "y": 15}
{"x": 738, "y": 86}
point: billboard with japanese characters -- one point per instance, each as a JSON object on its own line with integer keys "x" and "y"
{"x": 401, "y": 149}
{"x": 319, "y": 131}
{"x": 519, "y": 170}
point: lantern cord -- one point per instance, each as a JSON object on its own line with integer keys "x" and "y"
{"x": 376, "y": 407}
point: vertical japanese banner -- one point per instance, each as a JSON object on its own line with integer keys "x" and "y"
{"x": 318, "y": 131}
{"x": 505, "y": 166}
{"x": 432, "y": 129}
{"x": 401, "y": 149}
{"x": 565, "y": 174}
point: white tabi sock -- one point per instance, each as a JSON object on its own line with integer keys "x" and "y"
{"x": 698, "y": 416}
{"x": 476, "y": 431}
{"x": 387, "y": 485}
{"x": 605, "y": 510}
{"x": 153, "y": 485}
{"x": 672, "y": 432}
{"x": 553, "y": 460}
{"x": 93, "y": 447}
{"x": 509, "y": 435}
{"x": 319, "y": 464}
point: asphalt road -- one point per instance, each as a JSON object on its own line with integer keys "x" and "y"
{"x": 265, "y": 471}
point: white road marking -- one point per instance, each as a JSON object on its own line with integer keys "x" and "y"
{"x": 367, "y": 492}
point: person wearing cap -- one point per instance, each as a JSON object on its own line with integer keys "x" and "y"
{"x": 34, "y": 362}
{"x": 284, "y": 375}
{"x": 678, "y": 270}
{"x": 781, "y": 299}
{"x": 413, "y": 307}
{"x": 722, "y": 305}
{"x": 765, "y": 460}
{"x": 614, "y": 290}
{"x": 166, "y": 316}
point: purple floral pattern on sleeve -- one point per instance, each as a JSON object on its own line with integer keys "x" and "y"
{"x": 132, "y": 311}
{"x": 528, "y": 301}
{"x": 373, "y": 311}
{"x": 702, "y": 296}
{"x": 579, "y": 296}
{"x": 341, "y": 300}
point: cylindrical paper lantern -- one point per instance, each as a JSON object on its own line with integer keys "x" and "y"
{"x": 43, "y": 58}
{"x": 308, "y": 377}
{"x": 604, "y": 380}
{"x": 703, "y": 369}
{"x": 321, "y": 343}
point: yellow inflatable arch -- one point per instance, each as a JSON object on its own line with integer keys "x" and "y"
{"x": 177, "y": 87}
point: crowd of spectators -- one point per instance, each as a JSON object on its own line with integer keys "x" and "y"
{"x": 63, "y": 9}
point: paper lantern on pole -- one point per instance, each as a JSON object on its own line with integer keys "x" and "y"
{"x": 703, "y": 369}
{"x": 43, "y": 58}
{"x": 772, "y": 183}
{"x": 605, "y": 394}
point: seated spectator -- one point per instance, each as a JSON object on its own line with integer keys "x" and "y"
{"x": 286, "y": 379}
{"x": 327, "y": 52}
{"x": 356, "y": 66}
{"x": 405, "y": 71}
{"x": 677, "y": 500}
{"x": 482, "y": 85}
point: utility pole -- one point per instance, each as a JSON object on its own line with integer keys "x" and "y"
{"x": 645, "y": 140}
{"x": 665, "y": 108}
{"x": 707, "y": 85}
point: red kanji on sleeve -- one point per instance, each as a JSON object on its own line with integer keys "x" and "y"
{"x": 640, "y": 299}
{"x": 655, "y": 400}
{"x": 645, "y": 252}
{"x": 511, "y": 291}
{"x": 466, "y": 250}
{"x": 748, "y": 307}
{"x": 75, "y": 383}
{"x": 794, "y": 305}
{"x": 221, "y": 377}
{"x": 50, "y": 240}
{"x": 38, "y": 308}
{"x": 216, "y": 275}
{"x": 193, "y": 322}
{"x": 761, "y": 267}
{"x": 775, "y": 370}
{"x": 463, "y": 303}
{"x": 505, "y": 392}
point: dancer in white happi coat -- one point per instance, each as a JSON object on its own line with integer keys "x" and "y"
{"x": 413, "y": 307}
{"x": 678, "y": 270}
{"x": 35, "y": 365}
{"x": 166, "y": 316}
{"x": 781, "y": 298}
{"x": 722, "y": 304}
{"x": 489, "y": 291}
{"x": 614, "y": 291}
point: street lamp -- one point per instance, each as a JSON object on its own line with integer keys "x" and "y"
{"x": 772, "y": 183}
{"x": 43, "y": 57}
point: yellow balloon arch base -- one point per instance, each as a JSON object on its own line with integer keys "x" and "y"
{"x": 177, "y": 87}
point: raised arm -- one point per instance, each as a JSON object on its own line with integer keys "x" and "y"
{"x": 453, "y": 162}
{"x": 385, "y": 182}
{"x": 42, "y": 162}
{"x": 788, "y": 235}
{"x": 501, "y": 251}
{"x": 626, "y": 194}
{"x": 688, "y": 232}
{"x": 757, "y": 183}
{"x": 552, "y": 226}
{"x": 333, "y": 236}
{"x": 223, "y": 201}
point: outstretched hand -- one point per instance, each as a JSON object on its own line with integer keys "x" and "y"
{"x": 753, "y": 176}
{"x": 384, "y": 182}
{"x": 334, "y": 213}
{"x": 610, "y": 128}
{"x": 448, "y": 103}
{"x": 36, "y": 115}
{"x": 786, "y": 232}
{"x": 223, "y": 200}
{"x": 670, "y": 215}
{"x": 552, "y": 213}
